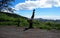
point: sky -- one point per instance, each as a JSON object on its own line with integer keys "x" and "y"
{"x": 46, "y": 9}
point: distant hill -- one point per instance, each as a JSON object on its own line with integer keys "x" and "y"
{"x": 45, "y": 20}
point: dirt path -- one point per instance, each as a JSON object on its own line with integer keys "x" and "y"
{"x": 17, "y": 32}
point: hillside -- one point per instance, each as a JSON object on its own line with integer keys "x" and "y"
{"x": 6, "y": 16}
{"x": 13, "y": 19}
{"x": 45, "y": 20}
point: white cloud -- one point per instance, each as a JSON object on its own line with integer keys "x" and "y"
{"x": 29, "y": 5}
{"x": 9, "y": 11}
{"x": 6, "y": 11}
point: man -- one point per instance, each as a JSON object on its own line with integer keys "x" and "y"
{"x": 31, "y": 20}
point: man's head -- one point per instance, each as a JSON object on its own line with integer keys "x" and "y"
{"x": 33, "y": 9}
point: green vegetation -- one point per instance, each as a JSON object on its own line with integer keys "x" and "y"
{"x": 12, "y": 19}
{"x": 47, "y": 25}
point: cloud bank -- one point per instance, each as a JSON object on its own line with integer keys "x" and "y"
{"x": 33, "y": 4}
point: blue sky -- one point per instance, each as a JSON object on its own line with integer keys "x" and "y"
{"x": 46, "y": 10}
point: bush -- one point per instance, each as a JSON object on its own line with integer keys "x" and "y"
{"x": 8, "y": 23}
